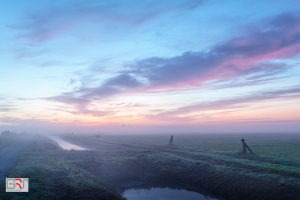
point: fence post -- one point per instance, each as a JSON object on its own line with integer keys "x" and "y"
{"x": 171, "y": 140}
{"x": 248, "y": 148}
{"x": 244, "y": 146}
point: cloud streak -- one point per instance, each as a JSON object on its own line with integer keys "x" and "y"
{"x": 40, "y": 27}
{"x": 232, "y": 103}
{"x": 24, "y": 122}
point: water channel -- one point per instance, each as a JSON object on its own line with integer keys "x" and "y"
{"x": 164, "y": 194}
{"x": 65, "y": 145}
{"x": 164, "y": 191}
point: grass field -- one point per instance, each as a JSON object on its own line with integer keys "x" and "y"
{"x": 211, "y": 162}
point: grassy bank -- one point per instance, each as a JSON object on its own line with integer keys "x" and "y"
{"x": 52, "y": 176}
{"x": 212, "y": 164}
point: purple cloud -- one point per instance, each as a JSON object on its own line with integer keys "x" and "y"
{"x": 238, "y": 102}
{"x": 239, "y": 56}
{"x": 249, "y": 56}
{"x": 115, "y": 85}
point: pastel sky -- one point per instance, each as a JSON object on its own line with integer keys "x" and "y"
{"x": 150, "y": 66}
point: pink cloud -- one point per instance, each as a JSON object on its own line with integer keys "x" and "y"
{"x": 232, "y": 103}
{"x": 242, "y": 56}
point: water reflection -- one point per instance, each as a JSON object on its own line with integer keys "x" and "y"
{"x": 65, "y": 145}
{"x": 164, "y": 194}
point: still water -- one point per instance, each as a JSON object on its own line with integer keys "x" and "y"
{"x": 164, "y": 194}
{"x": 65, "y": 145}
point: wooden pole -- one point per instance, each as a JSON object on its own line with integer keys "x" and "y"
{"x": 244, "y": 146}
{"x": 248, "y": 148}
{"x": 171, "y": 140}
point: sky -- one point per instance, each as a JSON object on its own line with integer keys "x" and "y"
{"x": 153, "y": 66}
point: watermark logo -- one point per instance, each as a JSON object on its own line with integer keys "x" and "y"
{"x": 17, "y": 184}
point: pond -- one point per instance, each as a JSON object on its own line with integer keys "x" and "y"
{"x": 65, "y": 145}
{"x": 163, "y": 193}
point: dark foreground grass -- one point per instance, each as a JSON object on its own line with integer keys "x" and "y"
{"x": 52, "y": 177}
{"x": 116, "y": 162}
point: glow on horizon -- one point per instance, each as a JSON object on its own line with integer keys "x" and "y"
{"x": 199, "y": 66}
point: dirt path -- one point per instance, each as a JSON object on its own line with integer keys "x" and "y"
{"x": 10, "y": 154}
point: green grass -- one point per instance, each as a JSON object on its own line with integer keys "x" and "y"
{"x": 52, "y": 177}
{"x": 210, "y": 162}
{"x": 274, "y": 166}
